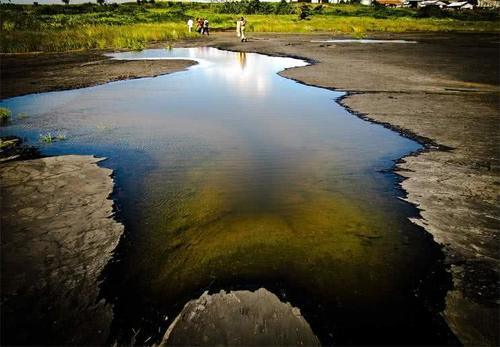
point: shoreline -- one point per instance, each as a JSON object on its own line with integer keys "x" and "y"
{"x": 80, "y": 69}
{"x": 417, "y": 171}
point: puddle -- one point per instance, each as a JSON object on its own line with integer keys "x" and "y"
{"x": 232, "y": 177}
{"x": 362, "y": 41}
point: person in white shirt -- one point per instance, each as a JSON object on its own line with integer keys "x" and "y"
{"x": 241, "y": 35}
{"x": 190, "y": 24}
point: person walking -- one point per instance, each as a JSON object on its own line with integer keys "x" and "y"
{"x": 199, "y": 25}
{"x": 243, "y": 22}
{"x": 238, "y": 27}
{"x": 205, "y": 27}
{"x": 190, "y": 25}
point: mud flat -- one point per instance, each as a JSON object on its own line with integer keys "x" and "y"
{"x": 57, "y": 236}
{"x": 429, "y": 91}
{"x": 44, "y": 72}
{"x": 240, "y": 318}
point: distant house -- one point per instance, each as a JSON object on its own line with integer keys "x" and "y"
{"x": 453, "y": 5}
{"x": 460, "y": 5}
{"x": 339, "y": 1}
{"x": 437, "y": 3}
{"x": 328, "y": 1}
{"x": 412, "y": 3}
{"x": 323, "y": 1}
{"x": 390, "y": 3}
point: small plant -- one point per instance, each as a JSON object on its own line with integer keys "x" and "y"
{"x": 5, "y": 115}
{"x": 49, "y": 138}
{"x": 358, "y": 35}
{"x": 60, "y": 136}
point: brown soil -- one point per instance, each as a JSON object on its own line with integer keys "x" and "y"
{"x": 444, "y": 91}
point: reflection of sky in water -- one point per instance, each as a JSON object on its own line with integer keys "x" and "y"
{"x": 206, "y": 156}
{"x": 261, "y": 132}
{"x": 243, "y": 73}
{"x": 229, "y": 101}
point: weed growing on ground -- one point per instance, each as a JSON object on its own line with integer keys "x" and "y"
{"x": 49, "y": 138}
{"x": 5, "y": 115}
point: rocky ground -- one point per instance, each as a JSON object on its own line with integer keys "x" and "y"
{"x": 57, "y": 236}
{"x": 443, "y": 90}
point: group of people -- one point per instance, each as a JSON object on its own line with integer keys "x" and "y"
{"x": 203, "y": 29}
{"x": 202, "y": 26}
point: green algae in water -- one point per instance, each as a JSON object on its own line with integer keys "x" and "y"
{"x": 212, "y": 235}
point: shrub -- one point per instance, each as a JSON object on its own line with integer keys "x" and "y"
{"x": 304, "y": 12}
{"x": 430, "y": 11}
{"x": 318, "y": 9}
{"x": 284, "y": 7}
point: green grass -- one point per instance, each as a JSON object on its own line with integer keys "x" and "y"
{"x": 5, "y": 115}
{"x": 49, "y": 138}
{"x": 350, "y": 24}
{"x": 134, "y": 36}
{"x": 54, "y": 28}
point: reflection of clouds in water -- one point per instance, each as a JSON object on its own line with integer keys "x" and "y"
{"x": 244, "y": 74}
{"x": 248, "y": 79}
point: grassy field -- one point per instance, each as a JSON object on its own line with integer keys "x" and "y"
{"x": 27, "y": 28}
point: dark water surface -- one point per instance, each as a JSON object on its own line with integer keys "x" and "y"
{"x": 231, "y": 177}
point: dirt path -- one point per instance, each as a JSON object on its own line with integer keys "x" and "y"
{"x": 443, "y": 90}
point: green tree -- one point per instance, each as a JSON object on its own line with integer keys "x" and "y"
{"x": 283, "y": 7}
